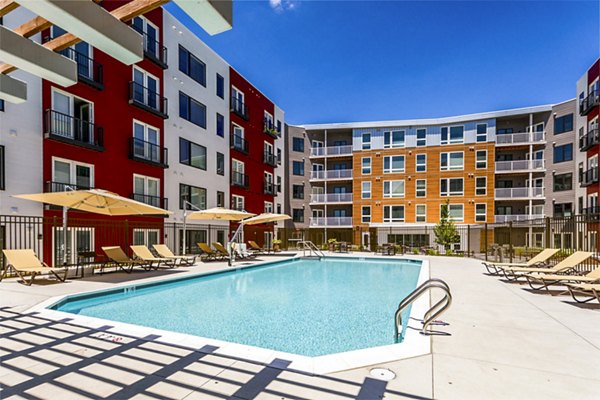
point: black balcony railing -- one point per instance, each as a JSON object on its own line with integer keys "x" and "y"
{"x": 147, "y": 152}
{"x": 88, "y": 71}
{"x": 153, "y": 50}
{"x": 240, "y": 180}
{"x": 589, "y": 177}
{"x": 147, "y": 99}
{"x": 593, "y": 210}
{"x": 155, "y": 201}
{"x": 589, "y": 139}
{"x": 238, "y": 143}
{"x": 592, "y": 100}
{"x": 270, "y": 159}
{"x": 269, "y": 127}
{"x": 239, "y": 108}
{"x": 269, "y": 187}
{"x": 52, "y": 187}
{"x": 68, "y": 129}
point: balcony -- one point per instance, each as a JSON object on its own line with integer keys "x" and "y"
{"x": 334, "y": 174}
{"x": 270, "y": 159}
{"x": 520, "y": 166}
{"x": 240, "y": 180}
{"x": 269, "y": 128}
{"x": 89, "y": 71}
{"x": 147, "y": 100}
{"x": 520, "y": 138}
{"x": 330, "y": 222}
{"x": 52, "y": 187}
{"x": 149, "y": 153}
{"x": 590, "y": 139}
{"x": 322, "y": 198}
{"x": 68, "y": 129}
{"x": 155, "y": 201}
{"x": 589, "y": 177}
{"x": 238, "y": 107}
{"x": 332, "y": 151}
{"x": 592, "y": 210}
{"x": 153, "y": 50}
{"x": 517, "y": 217}
{"x": 523, "y": 193}
{"x": 239, "y": 143}
{"x": 589, "y": 102}
{"x": 269, "y": 188}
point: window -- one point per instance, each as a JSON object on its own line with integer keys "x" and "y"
{"x": 298, "y": 144}
{"x": 220, "y": 125}
{"x": 298, "y": 214}
{"x": 452, "y": 161}
{"x": 421, "y": 188}
{"x": 278, "y": 128}
{"x": 393, "y": 188}
{"x": 220, "y": 86}
{"x": 146, "y": 89}
{"x": 480, "y": 186}
{"x": 191, "y": 65}
{"x": 393, "y": 164}
{"x": 2, "y": 169}
{"x": 393, "y": 139}
{"x": 298, "y": 168}
{"x": 481, "y": 132}
{"x": 366, "y": 190}
{"x": 192, "y": 110}
{"x": 480, "y": 212}
{"x": 237, "y": 202}
{"x": 563, "y": 210}
{"x": 298, "y": 191}
{"x": 504, "y": 131}
{"x": 279, "y": 156}
{"x": 366, "y": 165}
{"x": 481, "y": 159}
{"x": 451, "y": 187}
{"x": 456, "y": 134}
{"x": 366, "y": 214}
{"x": 146, "y": 190}
{"x": 421, "y": 137}
{"x": 268, "y": 122}
{"x": 220, "y": 199}
{"x": 393, "y": 214}
{"x": 420, "y": 213}
{"x": 220, "y": 163}
{"x": 1, "y": 105}
{"x": 563, "y": 182}
{"x": 563, "y": 153}
{"x": 455, "y": 212}
{"x": 237, "y": 101}
{"x": 268, "y": 207}
{"x": 145, "y": 237}
{"x": 366, "y": 141}
{"x": 151, "y": 37}
{"x": 146, "y": 142}
{"x": 278, "y": 208}
{"x": 563, "y": 124}
{"x": 193, "y": 194}
{"x": 421, "y": 161}
{"x": 71, "y": 173}
{"x": 192, "y": 154}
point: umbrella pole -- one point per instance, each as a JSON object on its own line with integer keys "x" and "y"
{"x": 64, "y": 232}
{"x": 231, "y": 259}
{"x": 185, "y": 207}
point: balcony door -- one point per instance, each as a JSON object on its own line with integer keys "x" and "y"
{"x": 237, "y": 98}
{"x": 62, "y": 115}
{"x": 146, "y": 143}
{"x": 146, "y": 88}
{"x": 237, "y": 169}
{"x": 67, "y": 174}
{"x": 238, "y": 137}
{"x": 146, "y": 190}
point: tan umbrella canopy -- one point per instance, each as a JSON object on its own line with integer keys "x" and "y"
{"x": 266, "y": 217}
{"x": 220, "y": 214}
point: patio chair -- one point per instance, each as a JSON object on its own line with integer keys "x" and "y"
{"x": 117, "y": 256}
{"x": 241, "y": 251}
{"x": 538, "y": 261}
{"x": 143, "y": 253}
{"x": 164, "y": 251}
{"x": 24, "y": 261}
{"x": 591, "y": 291}
{"x": 208, "y": 252}
{"x": 254, "y": 247}
{"x": 546, "y": 280}
{"x": 569, "y": 263}
{"x": 221, "y": 249}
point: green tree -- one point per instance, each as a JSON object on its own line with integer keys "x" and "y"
{"x": 445, "y": 231}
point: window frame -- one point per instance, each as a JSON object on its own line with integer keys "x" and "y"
{"x": 181, "y": 199}
{"x": 390, "y": 218}
{"x": 365, "y": 218}
{"x": 449, "y": 167}
{"x": 450, "y": 206}
{"x": 298, "y": 140}
{"x": 449, "y": 192}
{"x": 478, "y": 164}
{"x": 191, "y": 57}
{"x": 363, "y": 193}
{"x": 481, "y": 136}
{"x": 424, "y": 139}
{"x": 479, "y": 188}
{"x": 391, "y": 169}
{"x": 423, "y": 166}
{"x": 190, "y": 100}
{"x": 478, "y": 215}
{"x": 448, "y": 134}
{"x": 424, "y": 189}
{"x": 423, "y": 215}
{"x": 562, "y": 153}
{"x": 294, "y": 164}
{"x": 390, "y": 193}
{"x": 388, "y": 139}
{"x": 369, "y": 167}
{"x": 366, "y": 145}
{"x": 190, "y": 144}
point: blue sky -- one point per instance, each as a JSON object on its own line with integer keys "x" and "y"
{"x": 342, "y": 61}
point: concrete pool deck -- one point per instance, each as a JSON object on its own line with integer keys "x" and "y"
{"x": 504, "y": 342}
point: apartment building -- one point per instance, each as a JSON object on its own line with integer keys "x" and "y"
{"x": 297, "y": 190}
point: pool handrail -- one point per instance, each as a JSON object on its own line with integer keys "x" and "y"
{"x": 311, "y": 247}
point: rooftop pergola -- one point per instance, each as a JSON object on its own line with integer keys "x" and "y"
{"x": 86, "y": 21}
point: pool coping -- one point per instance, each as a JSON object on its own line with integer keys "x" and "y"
{"x": 414, "y": 343}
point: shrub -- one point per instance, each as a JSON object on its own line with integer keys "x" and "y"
{"x": 415, "y": 251}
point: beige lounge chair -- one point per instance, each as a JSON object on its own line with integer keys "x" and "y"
{"x": 591, "y": 291}
{"x": 221, "y": 249}
{"x": 143, "y": 253}
{"x": 164, "y": 251}
{"x": 209, "y": 253}
{"x": 569, "y": 263}
{"x": 255, "y": 247}
{"x": 117, "y": 256}
{"x": 546, "y": 280}
{"x": 538, "y": 261}
{"x": 24, "y": 261}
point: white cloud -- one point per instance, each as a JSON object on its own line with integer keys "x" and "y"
{"x": 283, "y": 5}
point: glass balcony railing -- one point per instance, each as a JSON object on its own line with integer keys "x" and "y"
{"x": 520, "y": 165}
{"x": 332, "y": 151}
{"x": 331, "y": 198}
{"x": 519, "y": 193}
{"x": 330, "y": 221}
{"x": 331, "y": 174}
{"x": 519, "y": 138}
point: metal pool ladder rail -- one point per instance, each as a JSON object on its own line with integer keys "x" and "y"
{"x": 311, "y": 247}
{"x": 435, "y": 311}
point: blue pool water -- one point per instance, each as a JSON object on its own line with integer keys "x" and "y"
{"x": 307, "y": 307}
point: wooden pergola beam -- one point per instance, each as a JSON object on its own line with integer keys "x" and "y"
{"x": 7, "y": 6}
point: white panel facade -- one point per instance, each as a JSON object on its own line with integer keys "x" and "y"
{"x": 580, "y": 156}
{"x": 280, "y": 170}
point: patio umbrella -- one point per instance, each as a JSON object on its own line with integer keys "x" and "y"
{"x": 96, "y": 201}
{"x": 266, "y": 217}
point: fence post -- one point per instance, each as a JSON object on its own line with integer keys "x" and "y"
{"x": 510, "y": 246}
{"x": 547, "y": 244}
{"x": 485, "y": 241}
{"x": 126, "y": 227}
{"x": 468, "y": 240}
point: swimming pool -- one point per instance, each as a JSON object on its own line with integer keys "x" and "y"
{"x": 307, "y": 307}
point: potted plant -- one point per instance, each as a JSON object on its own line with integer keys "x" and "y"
{"x": 331, "y": 242}
{"x": 276, "y": 245}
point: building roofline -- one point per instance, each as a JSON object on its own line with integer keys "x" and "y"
{"x": 430, "y": 121}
